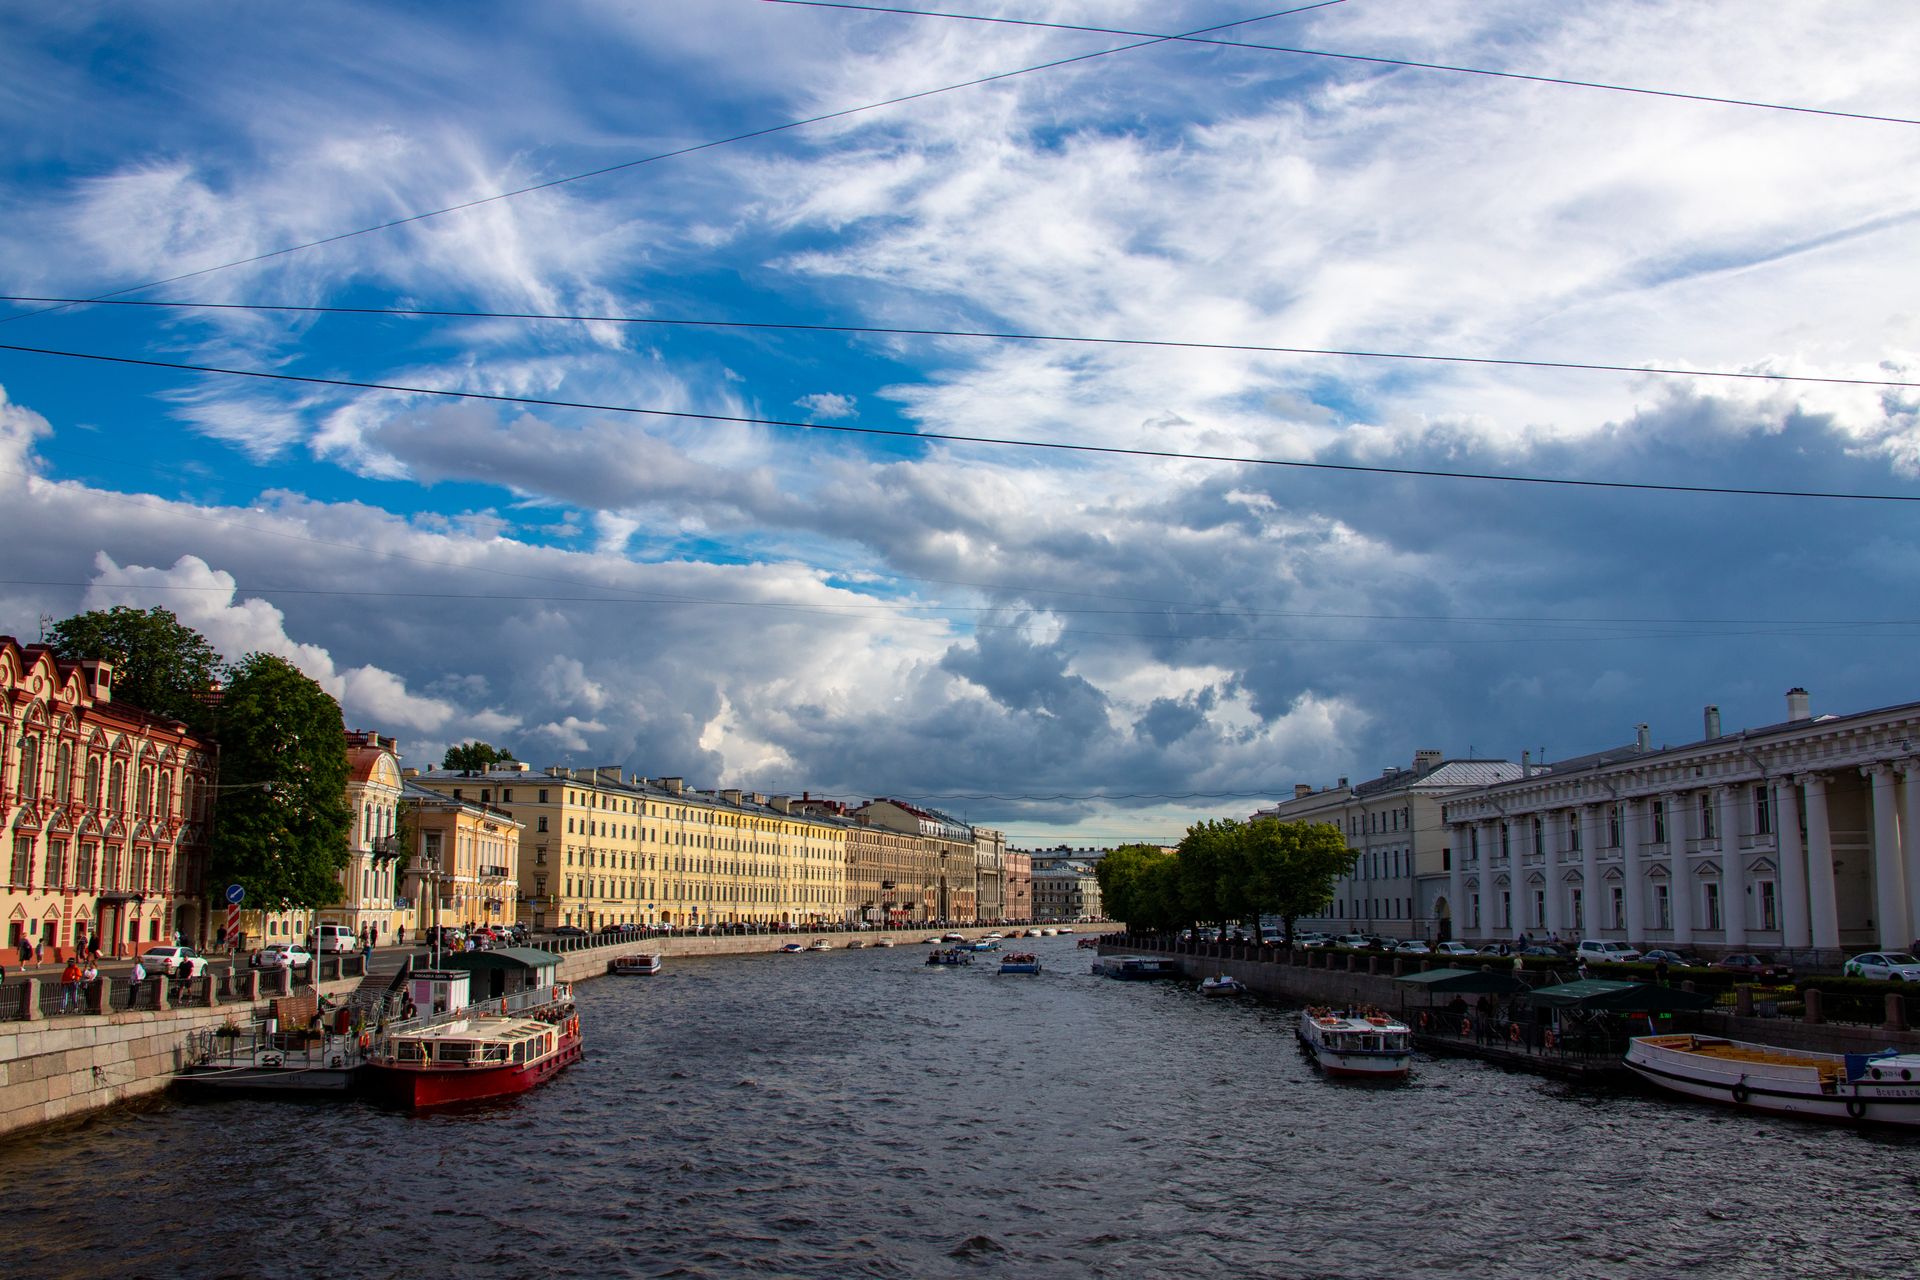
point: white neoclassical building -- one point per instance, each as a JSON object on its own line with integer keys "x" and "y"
{"x": 1801, "y": 838}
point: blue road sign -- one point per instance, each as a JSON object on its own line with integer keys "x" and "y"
{"x": 236, "y": 895}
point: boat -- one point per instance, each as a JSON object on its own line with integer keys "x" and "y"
{"x": 883, "y": 942}
{"x": 854, "y": 944}
{"x": 792, "y": 948}
{"x": 1063, "y": 931}
{"x": 1136, "y": 968}
{"x": 1019, "y": 962}
{"x": 1222, "y": 984}
{"x": 641, "y": 965}
{"x": 984, "y": 944}
{"x": 953, "y": 937}
{"x": 934, "y": 941}
{"x": 1873, "y": 1088}
{"x": 950, "y": 956}
{"x": 278, "y": 1054}
{"x": 493, "y": 1048}
{"x": 819, "y": 944}
{"x": 1088, "y": 944}
{"x": 1370, "y": 1046}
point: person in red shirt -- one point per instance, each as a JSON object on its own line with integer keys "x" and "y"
{"x": 70, "y": 986}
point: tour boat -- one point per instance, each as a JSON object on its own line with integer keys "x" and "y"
{"x": 1020, "y": 962}
{"x": 1223, "y": 984}
{"x": 1880, "y": 1088}
{"x": 819, "y": 944}
{"x": 1370, "y": 1047}
{"x": 883, "y": 942}
{"x": 642, "y": 965}
{"x": 470, "y": 1058}
{"x": 1136, "y": 968}
{"x": 950, "y": 956}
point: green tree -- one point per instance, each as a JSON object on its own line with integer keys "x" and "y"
{"x": 1291, "y": 867}
{"x": 159, "y": 664}
{"x": 280, "y": 828}
{"x": 474, "y": 755}
{"x": 1139, "y": 884}
{"x": 1210, "y": 875}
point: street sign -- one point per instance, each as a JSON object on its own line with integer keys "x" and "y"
{"x": 236, "y": 894}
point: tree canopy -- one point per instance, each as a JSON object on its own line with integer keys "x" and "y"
{"x": 159, "y": 664}
{"x": 474, "y": 755}
{"x": 281, "y": 825}
{"x": 1139, "y": 884}
{"x": 1225, "y": 871}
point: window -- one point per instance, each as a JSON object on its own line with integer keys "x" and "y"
{"x": 1473, "y": 910}
{"x": 92, "y": 794}
{"x": 30, "y": 765}
{"x": 164, "y": 804}
{"x": 1706, "y": 815}
{"x": 63, "y": 774}
{"x": 1613, "y": 827}
{"x": 1539, "y": 908}
{"x": 1539, "y": 837}
{"x": 1506, "y": 839}
{"x": 542, "y": 823}
{"x": 1619, "y": 907}
{"x": 22, "y": 861}
{"x": 1662, "y": 907}
{"x": 117, "y": 787}
{"x": 1713, "y": 904}
{"x": 1763, "y": 812}
{"x": 1506, "y": 908}
{"x": 1573, "y": 830}
{"x": 143, "y": 792}
{"x": 56, "y": 863}
{"x": 1580, "y": 910}
{"x": 1659, "y": 821}
{"x": 84, "y": 867}
{"x": 110, "y": 869}
{"x": 1446, "y": 858}
{"x": 1769, "y": 905}
{"x": 543, "y": 795}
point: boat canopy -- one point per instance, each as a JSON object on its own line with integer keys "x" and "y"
{"x": 1465, "y": 981}
{"x": 1620, "y": 997}
{"x": 502, "y": 958}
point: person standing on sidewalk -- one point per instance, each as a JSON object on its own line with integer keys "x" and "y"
{"x": 70, "y": 985}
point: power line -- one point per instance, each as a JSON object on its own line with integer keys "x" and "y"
{"x": 709, "y": 145}
{"x": 997, "y": 335}
{"x": 951, "y": 437}
{"x": 1375, "y": 60}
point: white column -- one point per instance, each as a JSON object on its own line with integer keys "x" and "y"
{"x": 1889, "y": 877}
{"x": 1557, "y": 839}
{"x": 1591, "y": 828}
{"x": 1733, "y": 865}
{"x": 1632, "y": 814}
{"x": 1822, "y": 910}
{"x": 1910, "y": 842}
{"x": 1680, "y": 881}
{"x": 1463, "y": 837}
{"x": 1794, "y": 926}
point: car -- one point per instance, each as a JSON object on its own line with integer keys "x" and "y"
{"x": 175, "y": 962}
{"x": 1353, "y": 940}
{"x": 569, "y": 931}
{"x": 1546, "y": 949}
{"x": 1674, "y": 959}
{"x": 1313, "y": 940}
{"x": 281, "y": 955}
{"x": 1754, "y": 964}
{"x": 336, "y": 937}
{"x": 1894, "y": 966}
{"x": 1454, "y": 948}
{"x": 1497, "y": 949}
{"x": 1414, "y": 947}
{"x": 1599, "y": 949}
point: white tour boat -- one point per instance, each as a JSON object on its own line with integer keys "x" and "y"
{"x": 1882, "y": 1088}
{"x": 1222, "y": 984}
{"x": 1370, "y": 1047}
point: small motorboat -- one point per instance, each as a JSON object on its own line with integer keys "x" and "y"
{"x": 949, "y": 956}
{"x": 883, "y": 942}
{"x": 641, "y": 965}
{"x": 791, "y": 948}
{"x": 1020, "y": 962}
{"x": 819, "y": 944}
{"x": 1222, "y": 984}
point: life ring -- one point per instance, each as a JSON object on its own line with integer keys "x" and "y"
{"x": 1546, "y": 1041}
{"x": 365, "y": 1041}
{"x": 1426, "y": 1020}
{"x": 1740, "y": 1091}
{"x": 1856, "y": 1108}
{"x": 1513, "y": 1032}
{"x": 503, "y": 1006}
{"x": 1466, "y": 1027}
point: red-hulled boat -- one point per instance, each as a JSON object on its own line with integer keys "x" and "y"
{"x": 466, "y": 1059}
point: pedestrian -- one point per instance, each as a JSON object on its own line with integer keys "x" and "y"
{"x": 1660, "y": 971}
{"x": 1519, "y": 963}
{"x": 88, "y": 977}
{"x": 26, "y": 951}
{"x": 134, "y": 979}
{"x": 1582, "y": 971}
{"x": 69, "y": 986}
{"x": 401, "y": 934}
{"x": 93, "y": 948}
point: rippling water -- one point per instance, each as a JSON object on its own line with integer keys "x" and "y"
{"x": 860, "y": 1114}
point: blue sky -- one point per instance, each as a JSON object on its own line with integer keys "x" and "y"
{"x": 1073, "y": 646}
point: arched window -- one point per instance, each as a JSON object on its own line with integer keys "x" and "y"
{"x": 92, "y": 796}
{"x": 165, "y": 804}
{"x": 143, "y": 792}
{"x": 117, "y": 787}
{"x": 63, "y": 774}
{"x": 30, "y": 765}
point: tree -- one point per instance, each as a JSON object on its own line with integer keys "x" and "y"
{"x": 280, "y": 828}
{"x": 1139, "y": 884}
{"x": 159, "y": 665}
{"x": 1210, "y": 872}
{"x": 475, "y": 756}
{"x": 1291, "y": 867}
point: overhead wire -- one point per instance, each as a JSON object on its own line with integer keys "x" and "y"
{"x": 954, "y": 437}
{"x": 996, "y": 335}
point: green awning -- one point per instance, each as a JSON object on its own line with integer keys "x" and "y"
{"x": 1465, "y": 981}
{"x": 1619, "y": 997}
{"x": 500, "y": 958}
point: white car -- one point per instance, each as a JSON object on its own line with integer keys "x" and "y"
{"x": 281, "y": 955}
{"x": 1413, "y": 947}
{"x": 1606, "y": 952}
{"x": 174, "y": 961}
{"x": 1454, "y": 948}
{"x": 1897, "y": 966}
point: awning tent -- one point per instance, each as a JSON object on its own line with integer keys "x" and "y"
{"x": 1610, "y": 996}
{"x": 1464, "y": 981}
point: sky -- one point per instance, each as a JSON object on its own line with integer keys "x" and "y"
{"x": 725, "y": 519}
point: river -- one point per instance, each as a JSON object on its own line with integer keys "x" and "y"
{"x": 861, "y": 1114}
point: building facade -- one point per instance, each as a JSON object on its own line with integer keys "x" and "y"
{"x": 1017, "y": 874}
{"x": 1065, "y": 890}
{"x": 951, "y": 868}
{"x": 460, "y": 863}
{"x": 1393, "y": 823}
{"x": 370, "y": 882}
{"x": 104, "y": 810}
{"x": 1801, "y": 838}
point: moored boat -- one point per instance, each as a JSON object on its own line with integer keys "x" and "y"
{"x": 819, "y": 944}
{"x": 462, "y": 1052}
{"x": 1020, "y": 962}
{"x": 792, "y": 948}
{"x": 950, "y": 956}
{"x": 883, "y": 942}
{"x": 1136, "y": 968}
{"x": 1370, "y": 1046}
{"x": 1222, "y": 984}
{"x": 640, "y": 965}
{"x": 1874, "y": 1088}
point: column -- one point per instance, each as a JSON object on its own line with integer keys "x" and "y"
{"x": 1889, "y": 877}
{"x": 1822, "y": 911}
{"x": 1591, "y": 829}
{"x": 1910, "y": 842}
{"x": 1464, "y": 836}
{"x": 1733, "y": 865}
{"x": 1794, "y": 927}
{"x": 1634, "y": 813}
{"x": 1558, "y": 826}
{"x": 1680, "y": 881}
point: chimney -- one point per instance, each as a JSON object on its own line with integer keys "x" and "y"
{"x": 1643, "y": 737}
{"x": 1799, "y": 707}
{"x": 782, "y": 803}
{"x": 1302, "y": 789}
{"x": 1713, "y": 721}
{"x": 673, "y": 785}
{"x": 1342, "y": 783}
{"x": 99, "y": 673}
{"x": 731, "y": 795}
{"x": 1427, "y": 759}
{"x": 1526, "y": 764}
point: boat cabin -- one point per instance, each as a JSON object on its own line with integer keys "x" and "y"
{"x": 504, "y": 971}
{"x": 477, "y": 1043}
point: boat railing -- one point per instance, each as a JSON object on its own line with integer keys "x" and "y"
{"x": 518, "y": 1002}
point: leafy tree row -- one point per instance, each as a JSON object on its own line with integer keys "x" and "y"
{"x": 1226, "y": 872}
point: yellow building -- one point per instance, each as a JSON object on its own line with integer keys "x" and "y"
{"x": 460, "y": 862}
{"x": 104, "y": 811}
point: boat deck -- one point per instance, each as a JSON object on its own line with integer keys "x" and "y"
{"x": 1728, "y": 1051}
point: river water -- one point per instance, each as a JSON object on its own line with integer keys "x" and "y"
{"x": 861, "y": 1114}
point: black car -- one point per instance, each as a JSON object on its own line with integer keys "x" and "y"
{"x": 568, "y": 931}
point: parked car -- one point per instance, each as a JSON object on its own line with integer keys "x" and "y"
{"x": 1497, "y": 949}
{"x": 281, "y": 955}
{"x": 1313, "y": 939}
{"x": 1544, "y": 949}
{"x": 1598, "y": 949}
{"x": 336, "y": 937}
{"x": 1353, "y": 940}
{"x": 175, "y": 962}
{"x": 569, "y": 931}
{"x": 1755, "y": 965}
{"x": 1674, "y": 959}
{"x": 1414, "y": 947}
{"x": 444, "y": 936}
{"x": 1895, "y": 966}
{"x": 1454, "y": 948}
